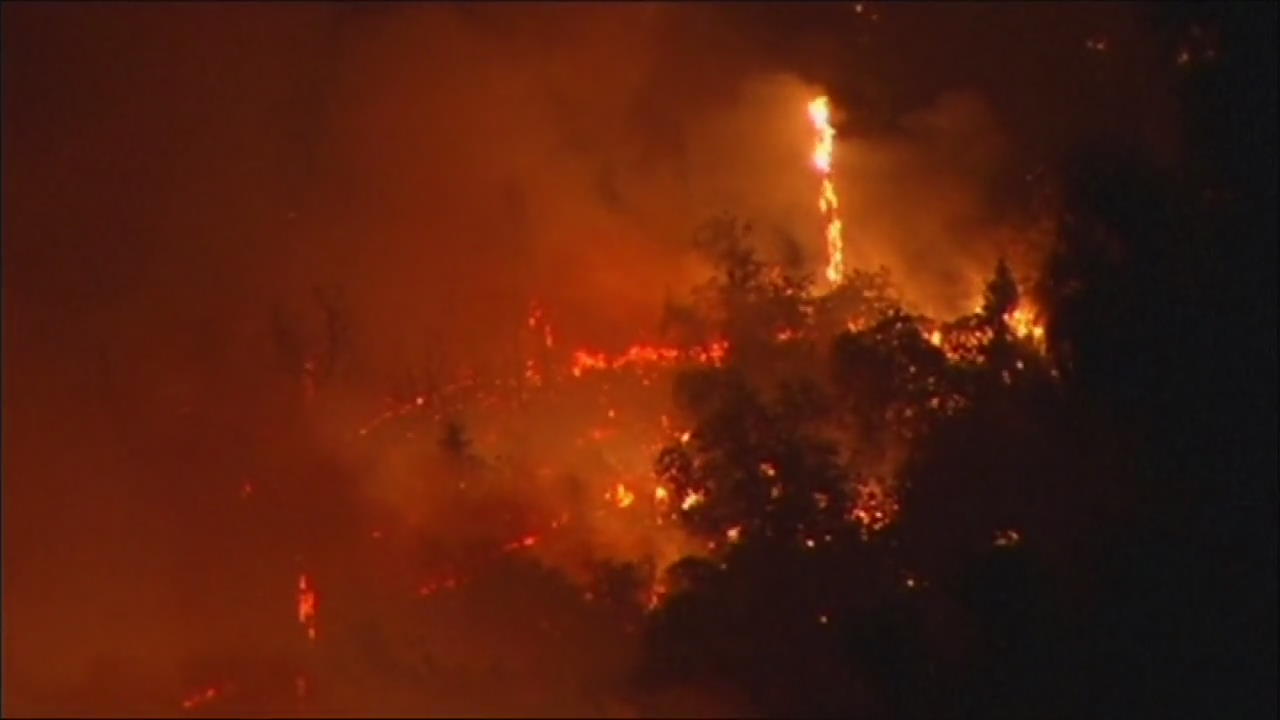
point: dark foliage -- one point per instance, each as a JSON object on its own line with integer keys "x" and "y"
{"x": 1100, "y": 544}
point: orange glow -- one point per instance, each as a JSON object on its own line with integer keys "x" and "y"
{"x": 622, "y": 497}
{"x": 527, "y": 541}
{"x": 692, "y": 499}
{"x": 657, "y": 592}
{"x": 307, "y": 606}
{"x": 1025, "y": 323}
{"x": 200, "y": 698}
{"x": 434, "y": 586}
{"x": 876, "y": 507}
{"x": 648, "y": 356}
{"x": 1007, "y": 538}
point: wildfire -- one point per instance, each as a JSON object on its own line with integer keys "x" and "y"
{"x": 1025, "y": 323}
{"x": 828, "y": 202}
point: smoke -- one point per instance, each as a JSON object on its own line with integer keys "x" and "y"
{"x": 178, "y": 177}
{"x": 918, "y": 201}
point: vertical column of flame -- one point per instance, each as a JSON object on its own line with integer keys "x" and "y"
{"x": 306, "y": 618}
{"x": 828, "y": 203}
{"x": 307, "y": 606}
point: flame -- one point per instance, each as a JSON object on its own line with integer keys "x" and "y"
{"x": 828, "y": 201}
{"x": 622, "y": 497}
{"x": 692, "y": 499}
{"x": 1025, "y": 323}
{"x": 307, "y": 606}
{"x": 648, "y": 356}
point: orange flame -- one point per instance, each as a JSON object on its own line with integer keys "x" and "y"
{"x": 828, "y": 202}
{"x": 646, "y": 356}
{"x": 621, "y": 496}
{"x": 692, "y": 499}
{"x": 1025, "y": 323}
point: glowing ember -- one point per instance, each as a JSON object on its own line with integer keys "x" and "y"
{"x": 692, "y": 499}
{"x": 527, "y": 541}
{"x": 648, "y": 356}
{"x": 307, "y": 606}
{"x": 877, "y": 506}
{"x": 657, "y": 592}
{"x": 204, "y": 696}
{"x": 621, "y": 496}
{"x": 828, "y": 202}
{"x": 1007, "y": 538}
{"x": 434, "y": 586}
